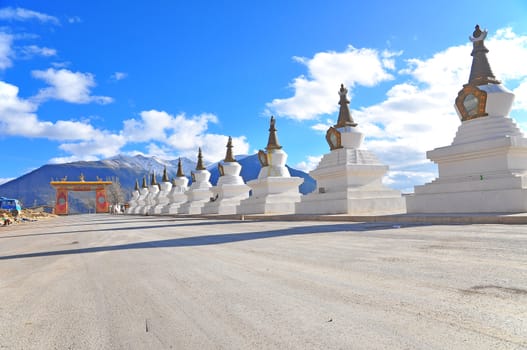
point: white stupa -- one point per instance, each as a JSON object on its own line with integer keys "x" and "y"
{"x": 141, "y": 200}
{"x": 230, "y": 189}
{"x": 177, "y": 195}
{"x": 161, "y": 199}
{"x": 199, "y": 192}
{"x": 153, "y": 189}
{"x": 275, "y": 191}
{"x": 349, "y": 178}
{"x": 485, "y": 168}
{"x": 132, "y": 203}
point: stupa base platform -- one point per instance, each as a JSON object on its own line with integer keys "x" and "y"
{"x": 224, "y": 206}
{"x": 171, "y": 209}
{"x": 482, "y": 201}
{"x": 158, "y": 209}
{"x": 350, "y": 202}
{"x": 281, "y": 203}
{"x": 192, "y": 208}
{"x": 144, "y": 210}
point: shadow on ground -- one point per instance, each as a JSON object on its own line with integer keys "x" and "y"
{"x": 205, "y": 239}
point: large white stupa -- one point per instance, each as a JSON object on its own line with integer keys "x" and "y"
{"x": 230, "y": 189}
{"x": 485, "y": 168}
{"x": 141, "y": 200}
{"x": 199, "y": 192}
{"x": 275, "y": 191}
{"x": 349, "y": 178}
{"x": 153, "y": 189}
{"x": 177, "y": 195}
{"x": 161, "y": 198}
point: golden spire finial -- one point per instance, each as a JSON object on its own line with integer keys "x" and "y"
{"x": 200, "y": 166}
{"x": 144, "y": 185}
{"x": 480, "y": 72}
{"x": 153, "y": 181}
{"x": 272, "y": 143}
{"x": 165, "y": 175}
{"x": 179, "y": 169}
{"x": 136, "y": 185}
{"x": 229, "y": 158}
{"x": 345, "y": 118}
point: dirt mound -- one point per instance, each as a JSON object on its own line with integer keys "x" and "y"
{"x": 7, "y": 217}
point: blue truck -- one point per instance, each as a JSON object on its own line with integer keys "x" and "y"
{"x": 9, "y": 204}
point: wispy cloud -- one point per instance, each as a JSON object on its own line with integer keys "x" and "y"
{"x": 21, "y": 14}
{"x": 6, "y": 52}
{"x": 34, "y": 50}
{"x": 118, "y": 76}
{"x": 73, "y": 87}
{"x": 74, "y": 19}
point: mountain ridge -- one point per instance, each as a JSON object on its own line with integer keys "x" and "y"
{"x": 33, "y": 188}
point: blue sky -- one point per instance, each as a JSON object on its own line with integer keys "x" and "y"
{"x": 85, "y": 80}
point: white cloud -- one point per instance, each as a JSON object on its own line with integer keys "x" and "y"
{"x": 405, "y": 180}
{"x": 167, "y": 135}
{"x": 316, "y": 94}
{"x": 309, "y": 164}
{"x": 180, "y": 135}
{"x": 18, "y": 118}
{"x": 213, "y": 147}
{"x": 520, "y": 102}
{"x": 5, "y": 50}
{"x": 73, "y": 87}
{"x": 74, "y": 19}
{"x": 34, "y": 50}
{"x": 21, "y": 14}
{"x": 119, "y": 76}
{"x": 102, "y": 144}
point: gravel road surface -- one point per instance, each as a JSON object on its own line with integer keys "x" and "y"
{"x": 130, "y": 282}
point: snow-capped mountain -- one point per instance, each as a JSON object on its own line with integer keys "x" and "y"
{"x": 34, "y": 189}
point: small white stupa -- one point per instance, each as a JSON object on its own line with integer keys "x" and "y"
{"x": 349, "y": 178}
{"x": 275, "y": 191}
{"x": 230, "y": 189}
{"x": 153, "y": 189}
{"x": 177, "y": 195}
{"x": 161, "y": 199}
{"x": 141, "y": 200}
{"x": 199, "y": 192}
{"x": 132, "y": 203}
{"x": 485, "y": 167}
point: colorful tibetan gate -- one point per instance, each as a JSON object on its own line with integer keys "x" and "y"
{"x": 63, "y": 187}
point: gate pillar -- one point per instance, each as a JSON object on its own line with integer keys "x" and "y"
{"x": 101, "y": 205}
{"x": 61, "y": 204}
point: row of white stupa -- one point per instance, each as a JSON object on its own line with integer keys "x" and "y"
{"x": 483, "y": 170}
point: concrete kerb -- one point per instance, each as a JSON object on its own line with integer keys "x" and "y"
{"x": 434, "y": 219}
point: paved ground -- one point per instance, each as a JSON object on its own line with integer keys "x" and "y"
{"x": 126, "y": 282}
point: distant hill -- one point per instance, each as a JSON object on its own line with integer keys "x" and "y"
{"x": 34, "y": 189}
